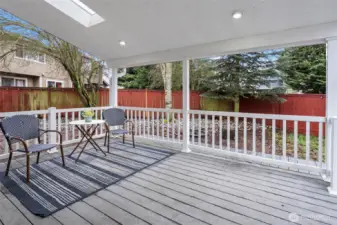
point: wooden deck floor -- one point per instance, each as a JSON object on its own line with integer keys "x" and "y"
{"x": 192, "y": 189}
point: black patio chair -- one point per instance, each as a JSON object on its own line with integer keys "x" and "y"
{"x": 116, "y": 117}
{"x": 21, "y": 128}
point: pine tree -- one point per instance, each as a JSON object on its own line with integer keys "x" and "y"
{"x": 304, "y": 68}
{"x": 242, "y": 75}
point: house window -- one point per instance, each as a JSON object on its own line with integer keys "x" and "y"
{"x": 54, "y": 84}
{"x": 13, "y": 82}
{"x": 20, "y": 53}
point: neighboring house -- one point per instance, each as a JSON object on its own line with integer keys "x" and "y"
{"x": 26, "y": 70}
{"x": 275, "y": 82}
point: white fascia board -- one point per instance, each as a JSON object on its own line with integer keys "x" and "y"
{"x": 288, "y": 38}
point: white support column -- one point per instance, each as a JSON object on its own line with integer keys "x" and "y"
{"x": 331, "y": 111}
{"x": 113, "y": 92}
{"x": 186, "y": 105}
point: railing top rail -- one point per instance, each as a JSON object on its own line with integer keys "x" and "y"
{"x": 82, "y": 109}
{"x": 6, "y": 114}
{"x": 152, "y": 109}
{"x": 262, "y": 116}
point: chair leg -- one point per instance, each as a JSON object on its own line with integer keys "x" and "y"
{"x": 108, "y": 143}
{"x": 38, "y": 158}
{"x": 133, "y": 140}
{"x": 9, "y": 163}
{"x": 27, "y": 168}
{"x": 106, "y": 134}
{"x": 123, "y": 138}
{"x": 62, "y": 155}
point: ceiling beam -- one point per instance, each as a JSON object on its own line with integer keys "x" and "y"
{"x": 294, "y": 37}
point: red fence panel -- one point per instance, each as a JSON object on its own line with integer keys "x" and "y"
{"x": 295, "y": 104}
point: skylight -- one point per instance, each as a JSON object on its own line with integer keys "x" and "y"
{"x": 78, "y": 11}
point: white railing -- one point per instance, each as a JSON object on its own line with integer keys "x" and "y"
{"x": 292, "y": 141}
{"x": 297, "y": 141}
{"x": 156, "y": 124}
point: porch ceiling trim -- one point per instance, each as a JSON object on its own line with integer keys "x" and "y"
{"x": 316, "y": 34}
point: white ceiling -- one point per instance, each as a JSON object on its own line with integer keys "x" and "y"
{"x": 159, "y": 30}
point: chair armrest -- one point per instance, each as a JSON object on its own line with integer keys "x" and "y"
{"x": 132, "y": 124}
{"x": 20, "y": 140}
{"x": 51, "y": 131}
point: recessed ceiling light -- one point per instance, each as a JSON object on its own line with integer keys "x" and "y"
{"x": 237, "y": 15}
{"x": 122, "y": 43}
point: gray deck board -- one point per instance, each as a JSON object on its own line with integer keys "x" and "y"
{"x": 69, "y": 217}
{"x": 91, "y": 214}
{"x": 189, "y": 189}
{"x": 189, "y": 207}
{"x": 9, "y": 214}
{"x": 113, "y": 211}
{"x": 135, "y": 209}
{"x": 209, "y": 203}
{"x": 320, "y": 194}
{"x": 36, "y": 220}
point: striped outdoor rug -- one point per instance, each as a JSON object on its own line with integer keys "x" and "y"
{"x": 53, "y": 187}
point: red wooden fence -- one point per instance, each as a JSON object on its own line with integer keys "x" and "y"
{"x": 23, "y": 99}
{"x": 155, "y": 99}
{"x": 296, "y": 104}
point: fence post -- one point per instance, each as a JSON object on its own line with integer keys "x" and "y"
{"x": 333, "y": 185}
{"x": 52, "y": 126}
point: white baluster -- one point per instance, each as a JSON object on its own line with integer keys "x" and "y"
{"x": 199, "y": 129}
{"x": 220, "y": 132}
{"x": 320, "y": 143}
{"x": 168, "y": 125}
{"x": 213, "y": 132}
{"x": 236, "y": 134}
{"x": 158, "y": 121}
{"x": 228, "y": 133}
{"x": 173, "y": 126}
{"x": 193, "y": 122}
{"x": 307, "y": 141}
{"x": 273, "y": 138}
{"x": 295, "y": 140}
{"x": 245, "y": 135}
{"x": 263, "y": 137}
{"x": 206, "y": 130}
{"x": 44, "y": 128}
{"x": 254, "y": 136}
{"x": 66, "y": 127}
{"x": 152, "y": 123}
{"x": 284, "y": 140}
{"x": 73, "y": 127}
{"x": 163, "y": 125}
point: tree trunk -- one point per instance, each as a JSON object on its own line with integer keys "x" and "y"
{"x": 237, "y": 104}
{"x": 166, "y": 72}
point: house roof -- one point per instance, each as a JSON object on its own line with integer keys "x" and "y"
{"x": 158, "y": 30}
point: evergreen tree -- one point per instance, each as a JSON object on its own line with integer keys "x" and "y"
{"x": 304, "y": 68}
{"x": 242, "y": 75}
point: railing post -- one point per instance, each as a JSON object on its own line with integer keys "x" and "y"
{"x": 333, "y": 185}
{"x": 186, "y": 105}
{"x": 52, "y": 125}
